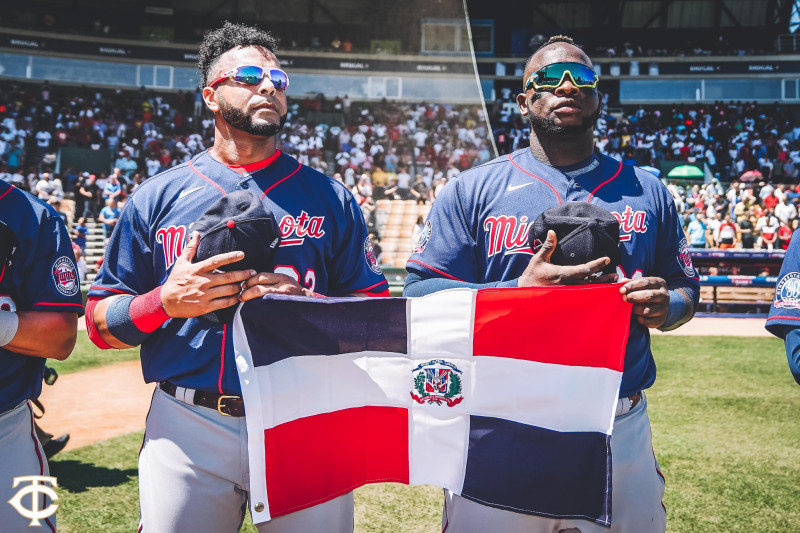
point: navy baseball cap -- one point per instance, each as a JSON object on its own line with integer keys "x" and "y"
{"x": 237, "y": 222}
{"x": 584, "y": 232}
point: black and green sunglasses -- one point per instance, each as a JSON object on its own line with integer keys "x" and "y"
{"x": 552, "y": 76}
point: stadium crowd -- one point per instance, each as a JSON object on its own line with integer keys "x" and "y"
{"x": 404, "y": 151}
{"x": 378, "y": 149}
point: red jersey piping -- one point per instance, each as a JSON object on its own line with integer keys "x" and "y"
{"x": 534, "y": 176}
{"x": 445, "y": 274}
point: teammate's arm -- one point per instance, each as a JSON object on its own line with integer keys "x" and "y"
{"x": 191, "y": 290}
{"x": 49, "y": 334}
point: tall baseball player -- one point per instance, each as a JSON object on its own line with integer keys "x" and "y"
{"x": 40, "y": 300}
{"x": 193, "y": 465}
{"x": 477, "y": 236}
{"x": 784, "y": 314}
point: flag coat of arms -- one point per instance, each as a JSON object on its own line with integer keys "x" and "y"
{"x": 504, "y": 396}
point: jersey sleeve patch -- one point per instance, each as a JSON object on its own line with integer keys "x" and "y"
{"x": 369, "y": 257}
{"x": 424, "y": 237}
{"x": 787, "y": 293}
{"x": 685, "y": 259}
{"x": 65, "y": 276}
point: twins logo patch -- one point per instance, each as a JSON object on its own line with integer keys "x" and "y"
{"x": 685, "y": 259}
{"x": 438, "y": 382}
{"x": 787, "y": 293}
{"x": 369, "y": 256}
{"x": 65, "y": 276}
{"x": 424, "y": 237}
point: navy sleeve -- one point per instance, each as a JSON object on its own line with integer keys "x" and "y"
{"x": 128, "y": 262}
{"x": 417, "y": 286}
{"x": 446, "y": 247}
{"x": 792, "y": 343}
{"x": 355, "y": 268}
{"x": 785, "y": 309}
{"x": 51, "y": 278}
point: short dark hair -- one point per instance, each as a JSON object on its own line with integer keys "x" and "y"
{"x": 557, "y": 39}
{"x": 228, "y": 37}
{"x": 552, "y": 40}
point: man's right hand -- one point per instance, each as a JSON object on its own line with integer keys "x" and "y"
{"x": 194, "y": 289}
{"x": 541, "y": 271}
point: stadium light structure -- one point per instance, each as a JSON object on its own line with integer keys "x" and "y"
{"x": 794, "y": 19}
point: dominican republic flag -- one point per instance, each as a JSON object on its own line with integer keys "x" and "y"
{"x": 504, "y": 396}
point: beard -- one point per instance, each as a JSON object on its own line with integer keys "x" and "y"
{"x": 244, "y": 122}
{"x": 548, "y": 125}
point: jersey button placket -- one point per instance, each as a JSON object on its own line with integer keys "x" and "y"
{"x": 575, "y": 192}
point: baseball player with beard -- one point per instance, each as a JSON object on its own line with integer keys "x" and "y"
{"x": 477, "y": 236}
{"x": 193, "y": 465}
{"x": 40, "y": 301}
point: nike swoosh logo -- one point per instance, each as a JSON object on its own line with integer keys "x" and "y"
{"x": 512, "y": 188}
{"x": 190, "y": 191}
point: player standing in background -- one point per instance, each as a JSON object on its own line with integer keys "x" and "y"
{"x": 40, "y": 301}
{"x": 193, "y": 465}
{"x": 477, "y": 236}
{"x": 784, "y": 314}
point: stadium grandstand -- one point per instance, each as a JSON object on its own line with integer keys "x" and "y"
{"x": 704, "y": 93}
{"x": 392, "y": 110}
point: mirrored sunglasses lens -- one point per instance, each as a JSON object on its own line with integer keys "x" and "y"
{"x": 249, "y": 75}
{"x": 279, "y": 79}
{"x": 552, "y": 75}
{"x": 549, "y": 76}
{"x": 582, "y": 75}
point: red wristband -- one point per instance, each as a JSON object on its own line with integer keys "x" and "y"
{"x": 147, "y": 311}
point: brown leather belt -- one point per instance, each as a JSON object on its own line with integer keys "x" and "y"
{"x": 224, "y": 404}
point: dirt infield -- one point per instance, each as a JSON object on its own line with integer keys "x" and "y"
{"x": 97, "y": 404}
{"x": 106, "y": 402}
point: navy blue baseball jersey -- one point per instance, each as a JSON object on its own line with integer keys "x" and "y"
{"x": 785, "y": 310}
{"x": 477, "y": 230}
{"x": 325, "y": 247}
{"x": 40, "y": 276}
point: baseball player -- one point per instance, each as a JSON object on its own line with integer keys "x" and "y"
{"x": 193, "y": 465}
{"x": 477, "y": 236}
{"x": 784, "y": 314}
{"x": 40, "y": 301}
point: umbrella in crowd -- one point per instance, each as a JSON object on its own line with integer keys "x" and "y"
{"x": 751, "y": 175}
{"x": 686, "y": 171}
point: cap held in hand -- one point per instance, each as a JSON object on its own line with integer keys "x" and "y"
{"x": 237, "y": 222}
{"x": 584, "y": 232}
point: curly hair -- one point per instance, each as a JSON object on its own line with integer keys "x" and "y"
{"x": 229, "y": 36}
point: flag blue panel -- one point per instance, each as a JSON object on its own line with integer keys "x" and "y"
{"x": 323, "y": 326}
{"x": 529, "y": 469}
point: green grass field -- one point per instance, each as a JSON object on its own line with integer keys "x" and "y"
{"x": 86, "y": 355}
{"x": 726, "y": 432}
